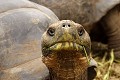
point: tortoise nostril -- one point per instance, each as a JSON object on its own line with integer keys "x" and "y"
{"x": 63, "y": 25}
{"x": 68, "y": 25}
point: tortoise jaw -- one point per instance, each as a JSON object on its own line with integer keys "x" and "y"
{"x": 66, "y": 46}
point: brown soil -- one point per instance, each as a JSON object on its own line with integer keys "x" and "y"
{"x": 115, "y": 72}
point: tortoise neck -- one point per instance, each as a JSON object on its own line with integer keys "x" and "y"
{"x": 68, "y": 75}
{"x": 67, "y": 66}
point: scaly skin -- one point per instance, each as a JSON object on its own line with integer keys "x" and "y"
{"x": 111, "y": 25}
{"x": 63, "y": 51}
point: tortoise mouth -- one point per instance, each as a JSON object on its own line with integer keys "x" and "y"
{"x": 66, "y": 46}
{"x": 71, "y": 48}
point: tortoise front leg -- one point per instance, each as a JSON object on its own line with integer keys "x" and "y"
{"x": 111, "y": 26}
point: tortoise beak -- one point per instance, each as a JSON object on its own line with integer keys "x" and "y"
{"x": 68, "y": 46}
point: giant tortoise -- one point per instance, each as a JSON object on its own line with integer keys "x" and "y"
{"x": 99, "y": 17}
{"x": 65, "y": 45}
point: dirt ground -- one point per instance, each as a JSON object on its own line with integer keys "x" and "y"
{"x": 115, "y": 72}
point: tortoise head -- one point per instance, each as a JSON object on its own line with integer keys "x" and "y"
{"x": 63, "y": 36}
{"x": 65, "y": 48}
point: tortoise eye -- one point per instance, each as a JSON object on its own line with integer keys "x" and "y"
{"x": 81, "y": 31}
{"x": 51, "y": 31}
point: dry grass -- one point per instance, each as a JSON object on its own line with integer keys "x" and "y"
{"x": 106, "y": 69}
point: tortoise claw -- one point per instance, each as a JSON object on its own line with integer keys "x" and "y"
{"x": 91, "y": 69}
{"x": 92, "y": 63}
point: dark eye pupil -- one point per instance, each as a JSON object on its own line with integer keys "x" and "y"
{"x": 51, "y": 31}
{"x": 81, "y": 32}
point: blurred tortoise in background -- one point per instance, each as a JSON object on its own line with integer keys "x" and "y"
{"x": 99, "y": 17}
{"x": 66, "y": 50}
{"x": 22, "y": 24}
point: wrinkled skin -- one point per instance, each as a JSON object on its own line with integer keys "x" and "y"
{"x": 64, "y": 45}
{"x": 111, "y": 26}
{"x": 89, "y": 14}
